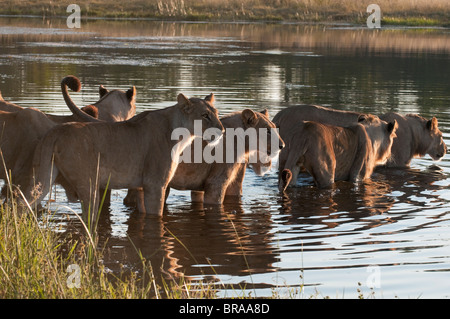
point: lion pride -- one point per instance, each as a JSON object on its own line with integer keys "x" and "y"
{"x": 331, "y": 153}
{"x": 136, "y": 153}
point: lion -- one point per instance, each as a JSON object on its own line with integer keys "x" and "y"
{"x": 416, "y": 137}
{"x": 209, "y": 182}
{"x": 136, "y": 153}
{"x": 22, "y": 129}
{"x": 331, "y": 153}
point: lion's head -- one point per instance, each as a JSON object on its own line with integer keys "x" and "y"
{"x": 116, "y": 105}
{"x": 381, "y": 134}
{"x": 269, "y": 141}
{"x": 196, "y": 109}
{"x": 433, "y": 137}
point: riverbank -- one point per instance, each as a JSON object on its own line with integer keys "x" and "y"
{"x": 401, "y": 12}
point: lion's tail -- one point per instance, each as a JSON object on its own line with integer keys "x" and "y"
{"x": 75, "y": 85}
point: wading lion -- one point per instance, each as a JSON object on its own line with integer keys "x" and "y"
{"x": 331, "y": 153}
{"x": 136, "y": 153}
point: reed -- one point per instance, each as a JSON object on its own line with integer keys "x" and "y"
{"x": 37, "y": 262}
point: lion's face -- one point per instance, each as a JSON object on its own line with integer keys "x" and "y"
{"x": 203, "y": 110}
{"x": 388, "y": 135}
{"x": 381, "y": 134}
{"x": 269, "y": 140}
{"x": 437, "y": 148}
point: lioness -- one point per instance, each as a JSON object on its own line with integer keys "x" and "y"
{"x": 330, "y": 153}
{"x": 416, "y": 137}
{"x": 136, "y": 153}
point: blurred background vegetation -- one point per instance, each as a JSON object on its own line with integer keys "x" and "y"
{"x": 403, "y": 12}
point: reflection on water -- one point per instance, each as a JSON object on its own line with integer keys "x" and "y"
{"x": 326, "y": 240}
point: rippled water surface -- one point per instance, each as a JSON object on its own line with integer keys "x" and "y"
{"x": 391, "y": 233}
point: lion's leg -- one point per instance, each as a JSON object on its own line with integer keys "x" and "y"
{"x": 214, "y": 194}
{"x": 89, "y": 199}
{"x": 295, "y": 171}
{"x": 197, "y": 196}
{"x": 166, "y": 195}
{"x": 235, "y": 186}
{"x": 282, "y": 158}
{"x": 140, "y": 203}
{"x": 323, "y": 173}
{"x": 154, "y": 195}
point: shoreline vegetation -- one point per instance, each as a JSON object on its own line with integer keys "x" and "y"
{"x": 38, "y": 261}
{"x": 401, "y": 12}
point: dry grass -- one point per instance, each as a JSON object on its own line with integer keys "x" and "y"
{"x": 402, "y": 11}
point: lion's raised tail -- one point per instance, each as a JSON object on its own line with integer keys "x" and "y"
{"x": 75, "y": 85}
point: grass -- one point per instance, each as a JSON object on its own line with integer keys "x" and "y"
{"x": 37, "y": 262}
{"x": 405, "y": 12}
{"x": 413, "y": 21}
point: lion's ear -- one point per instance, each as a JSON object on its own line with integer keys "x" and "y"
{"x": 392, "y": 127}
{"x": 264, "y": 112}
{"x": 131, "y": 93}
{"x": 432, "y": 124}
{"x": 210, "y": 98}
{"x": 362, "y": 118}
{"x": 184, "y": 103}
{"x": 102, "y": 91}
{"x": 249, "y": 117}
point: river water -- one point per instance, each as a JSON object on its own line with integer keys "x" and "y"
{"x": 384, "y": 238}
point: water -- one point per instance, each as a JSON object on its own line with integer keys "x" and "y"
{"x": 389, "y": 236}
